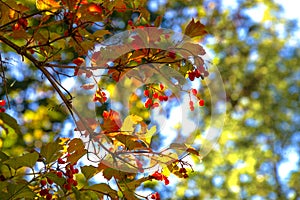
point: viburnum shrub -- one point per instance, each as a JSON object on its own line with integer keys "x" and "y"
{"x": 59, "y": 39}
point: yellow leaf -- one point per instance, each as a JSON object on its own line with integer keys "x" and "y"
{"x": 47, "y": 5}
{"x": 130, "y": 122}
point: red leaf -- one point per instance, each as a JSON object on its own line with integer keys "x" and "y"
{"x": 111, "y": 122}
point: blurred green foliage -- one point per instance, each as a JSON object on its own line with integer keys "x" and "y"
{"x": 259, "y": 63}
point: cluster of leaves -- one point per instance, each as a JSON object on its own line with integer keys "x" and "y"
{"x": 44, "y": 34}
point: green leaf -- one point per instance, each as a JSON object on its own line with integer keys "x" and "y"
{"x": 51, "y": 151}
{"x": 9, "y": 123}
{"x": 59, "y": 181}
{"x": 104, "y": 189}
{"x": 89, "y": 171}
{"x": 27, "y": 160}
{"x": 3, "y": 156}
{"x": 19, "y": 191}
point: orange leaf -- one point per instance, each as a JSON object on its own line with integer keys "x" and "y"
{"x": 78, "y": 61}
{"x": 94, "y": 8}
{"x": 47, "y": 5}
{"x": 195, "y": 29}
{"x": 111, "y": 122}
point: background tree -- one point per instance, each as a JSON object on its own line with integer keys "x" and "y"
{"x": 257, "y": 57}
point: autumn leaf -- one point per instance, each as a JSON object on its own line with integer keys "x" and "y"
{"x": 195, "y": 29}
{"x": 131, "y": 142}
{"x": 47, "y": 5}
{"x": 111, "y": 121}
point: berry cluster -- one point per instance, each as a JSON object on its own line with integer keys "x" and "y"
{"x": 68, "y": 175}
{"x": 155, "y": 196}
{"x": 2, "y": 103}
{"x": 200, "y": 101}
{"x": 64, "y": 170}
{"x": 153, "y": 95}
{"x": 196, "y": 73}
{"x": 21, "y": 23}
{"x": 46, "y": 187}
{"x": 70, "y": 171}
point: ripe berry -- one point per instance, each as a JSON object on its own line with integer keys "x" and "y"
{"x": 44, "y": 192}
{"x": 146, "y": 93}
{"x": 201, "y": 102}
{"x": 185, "y": 176}
{"x": 166, "y": 98}
{"x": 197, "y": 73}
{"x": 161, "y": 98}
{"x": 43, "y": 182}
{"x": 161, "y": 86}
{"x": 75, "y": 171}
{"x": 2, "y": 109}
{"x": 194, "y": 92}
{"x": 49, "y": 196}
{"x": 155, "y": 95}
{"x": 49, "y": 181}
{"x": 68, "y": 186}
{"x": 59, "y": 174}
{"x": 75, "y": 183}
{"x": 2, "y": 102}
{"x": 60, "y": 161}
{"x": 192, "y": 76}
{"x": 130, "y": 22}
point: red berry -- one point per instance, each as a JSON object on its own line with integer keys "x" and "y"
{"x": 161, "y": 98}
{"x": 67, "y": 186}
{"x": 75, "y": 171}
{"x": 185, "y": 176}
{"x": 75, "y": 183}
{"x": 44, "y": 192}
{"x": 192, "y": 76}
{"x": 194, "y": 92}
{"x": 70, "y": 180}
{"x": 2, "y": 109}
{"x": 60, "y": 161}
{"x": 49, "y": 181}
{"x": 130, "y": 22}
{"x": 201, "y": 102}
{"x": 197, "y": 73}
{"x": 155, "y": 95}
{"x": 146, "y": 93}
{"x": 43, "y": 182}
{"x": 2, "y": 102}
{"x": 59, "y": 174}
{"x": 49, "y": 196}
{"x": 161, "y": 86}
